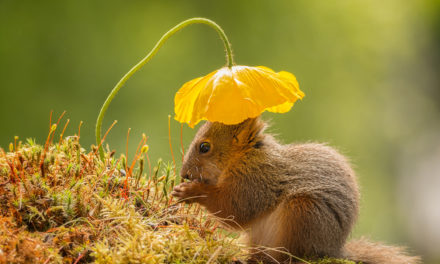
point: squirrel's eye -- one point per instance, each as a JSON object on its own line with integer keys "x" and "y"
{"x": 205, "y": 147}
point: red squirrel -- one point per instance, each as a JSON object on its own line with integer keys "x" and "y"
{"x": 303, "y": 198}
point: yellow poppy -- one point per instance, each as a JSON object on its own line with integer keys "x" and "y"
{"x": 232, "y": 95}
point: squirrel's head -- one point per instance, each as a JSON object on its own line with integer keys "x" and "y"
{"x": 216, "y": 146}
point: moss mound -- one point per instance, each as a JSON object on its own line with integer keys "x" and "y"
{"x": 61, "y": 204}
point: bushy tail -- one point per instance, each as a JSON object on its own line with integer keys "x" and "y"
{"x": 368, "y": 252}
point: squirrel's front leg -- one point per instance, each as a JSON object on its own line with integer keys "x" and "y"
{"x": 190, "y": 192}
{"x": 218, "y": 200}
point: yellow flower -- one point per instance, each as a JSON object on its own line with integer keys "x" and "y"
{"x": 232, "y": 95}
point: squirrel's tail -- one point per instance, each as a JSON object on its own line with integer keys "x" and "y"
{"x": 367, "y": 252}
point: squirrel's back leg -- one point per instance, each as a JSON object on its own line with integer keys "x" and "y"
{"x": 301, "y": 225}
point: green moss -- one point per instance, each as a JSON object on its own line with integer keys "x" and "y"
{"x": 74, "y": 207}
{"x": 334, "y": 261}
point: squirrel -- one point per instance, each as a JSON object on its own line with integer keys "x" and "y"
{"x": 302, "y": 198}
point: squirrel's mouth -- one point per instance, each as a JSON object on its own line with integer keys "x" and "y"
{"x": 185, "y": 177}
{"x": 189, "y": 177}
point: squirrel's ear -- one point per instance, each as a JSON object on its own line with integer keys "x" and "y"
{"x": 248, "y": 132}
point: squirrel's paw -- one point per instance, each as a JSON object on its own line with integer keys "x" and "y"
{"x": 188, "y": 192}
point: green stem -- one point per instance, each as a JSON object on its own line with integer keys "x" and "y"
{"x": 165, "y": 37}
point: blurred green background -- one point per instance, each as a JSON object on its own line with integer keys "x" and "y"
{"x": 370, "y": 71}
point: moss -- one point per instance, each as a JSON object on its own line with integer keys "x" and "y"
{"x": 61, "y": 204}
{"x": 334, "y": 261}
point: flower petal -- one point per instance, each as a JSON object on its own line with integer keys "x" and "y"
{"x": 186, "y": 97}
{"x": 231, "y": 95}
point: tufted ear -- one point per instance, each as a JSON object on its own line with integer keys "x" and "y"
{"x": 248, "y": 133}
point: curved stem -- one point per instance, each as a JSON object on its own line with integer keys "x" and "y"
{"x": 165, "y": 37}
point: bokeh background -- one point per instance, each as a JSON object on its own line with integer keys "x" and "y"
{"x": 370, "y": 71}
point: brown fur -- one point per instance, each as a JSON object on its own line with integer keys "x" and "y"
{"x": 302, "y": 198}
{"x": 369, "y": 252}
